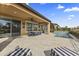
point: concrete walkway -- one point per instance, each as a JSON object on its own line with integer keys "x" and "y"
{"x": 4, "y": 42}
{"x": 3, "y": 39}
{"x": 38, "y": 44}
{"x": 75, "y": 43}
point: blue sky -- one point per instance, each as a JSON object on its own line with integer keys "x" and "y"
{"x": 64, "y": 14}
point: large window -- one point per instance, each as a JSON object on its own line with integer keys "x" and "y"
{"x": 16, "y": 26}
{"x": 29, "y": 26}
{"x": 4, "y": 27}
{"x": 9, "y": 27}
{"x": 33, "y": 27}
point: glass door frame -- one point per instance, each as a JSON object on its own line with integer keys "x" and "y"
{"x": 5, "y": 20}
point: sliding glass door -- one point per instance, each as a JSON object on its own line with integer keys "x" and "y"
{"x": 16, "y": 27}
{"x": 4, "y": 28}
{"x": 9, "y": 27}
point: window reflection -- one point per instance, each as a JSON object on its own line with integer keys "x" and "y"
{"x": 16, "y": 28}
{"x": 4, "y": 27}
{"x": 9, "y": 27}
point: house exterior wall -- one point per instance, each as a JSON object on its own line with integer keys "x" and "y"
{"x": 23, "y": 16}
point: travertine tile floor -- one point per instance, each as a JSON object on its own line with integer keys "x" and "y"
{"x": 38, "y": 44}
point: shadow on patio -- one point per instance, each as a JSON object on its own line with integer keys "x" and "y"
{"x": 5, "y": 43}
{"x": 47, "y": 52}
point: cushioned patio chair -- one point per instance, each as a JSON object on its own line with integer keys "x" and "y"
{"x": 20, "y": 52}
{"x": 63, "y": 51}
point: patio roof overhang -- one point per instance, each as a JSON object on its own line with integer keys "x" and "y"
{"x": 20, "y": 12}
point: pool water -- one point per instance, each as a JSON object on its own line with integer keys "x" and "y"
{"x": 62, "y": 34}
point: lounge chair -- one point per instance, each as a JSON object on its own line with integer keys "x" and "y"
{"x": 63, "y": 51}
{"x": 20, "y": 52}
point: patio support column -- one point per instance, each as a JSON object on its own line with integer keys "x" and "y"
{"x": 48, "y": 28}
{"x": 23, "y": 27}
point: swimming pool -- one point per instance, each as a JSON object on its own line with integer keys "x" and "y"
{"x": 62, "y": 34}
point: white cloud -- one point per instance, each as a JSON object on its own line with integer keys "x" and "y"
{"x": 43, "y": 3}
{"x": 71, "y": 9}
{"x": 27, "y": 3}
{"x": 60, "y": 6}
{"x": 71, "y": 17}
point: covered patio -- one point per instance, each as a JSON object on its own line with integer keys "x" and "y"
{"x": 38, "y": 44}
{"x": 21, "y": 19}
